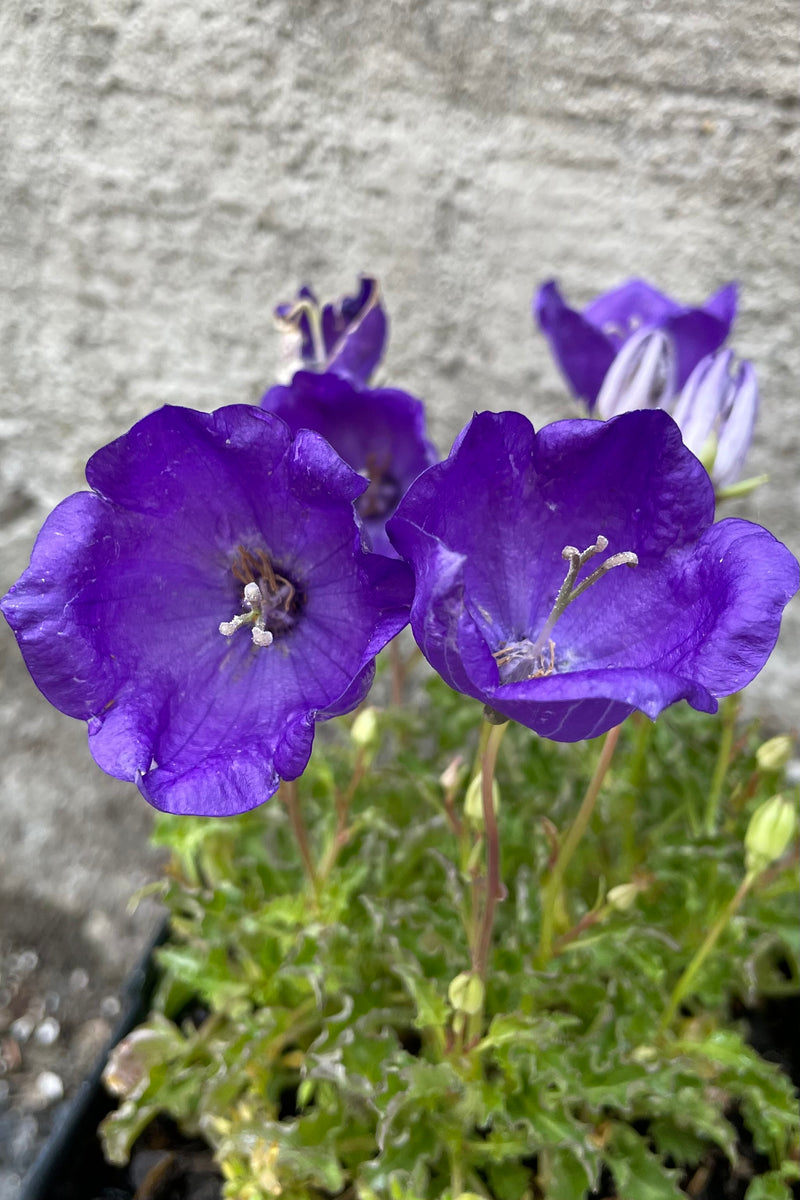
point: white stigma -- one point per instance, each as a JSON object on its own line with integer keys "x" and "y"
{"x": 254, "y": 617}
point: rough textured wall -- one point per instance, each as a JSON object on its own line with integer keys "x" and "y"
{"x": 171, "y": 168}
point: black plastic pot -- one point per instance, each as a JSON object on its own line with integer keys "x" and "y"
{"x": 71, "y": 1159}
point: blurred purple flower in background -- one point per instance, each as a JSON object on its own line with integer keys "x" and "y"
{"x": 642, "y": 375}
{"x": 716, "y": 412}
{"x": 585, "y": 344}
{"x": 346, "y": 337}
{"x": 510, "y": 607}
{"x": 380, "y": 433}
{"x": 205, "y": 604}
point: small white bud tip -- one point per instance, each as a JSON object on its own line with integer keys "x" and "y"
{"x": 773, "y": 755}
{"x": 364, "y": 730}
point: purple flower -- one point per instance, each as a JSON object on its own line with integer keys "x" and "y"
{"x": 511, "y": 607}
{"x": 380, "y": 433}
{"x": 346, "y": 337}
{"x": 716, "y": 412}
{"x": 585, "y": 344}
{"x": 641, "y": 376}
{"x": 205, "y": 604}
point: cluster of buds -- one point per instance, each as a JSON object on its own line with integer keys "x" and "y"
{"x": 715, "y": 410}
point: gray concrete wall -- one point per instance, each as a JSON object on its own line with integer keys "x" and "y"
{"x": 169, "y": 169}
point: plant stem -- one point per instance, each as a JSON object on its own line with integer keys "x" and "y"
{"x": 644, "y": 729}
{"x": 398, "y": 672}
{"x": 552, "y": 889}
{"x": 494, "y": 887}
{"x": 709, "y": 942}
{"x": 730, "y": 709}
{"x": 342, "y": 834}
{"x": 291, "y": 799}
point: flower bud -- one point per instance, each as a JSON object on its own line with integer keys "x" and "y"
{"x": 774, "y": 754}
{"x": 451, "y": 775}
{"x": 364, "y": 730}
{"x": 623, "y": 896}
{"x": 466, "y": 992}
{"x": 716, "y": 412}
{"x": 642, "y": 375}
{"x": 473, "y": 801}
{"x": 771, "y": 829}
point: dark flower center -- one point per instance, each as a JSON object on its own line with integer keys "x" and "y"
{"x": 272, "y": 602}
{"x": 383, "y": 494}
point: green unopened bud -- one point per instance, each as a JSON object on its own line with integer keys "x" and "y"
{"x": 623, "y": 896}
{"x": 364, "y": 730}
{"x": 473, "y": 801}
{"x": 771, "y": 829}
{"x": 466, "y": 993}
{"x": 775, "y": 754}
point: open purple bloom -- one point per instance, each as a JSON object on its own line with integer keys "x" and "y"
{"x": 346, "y": 337}
{"x": 584, "y": 344}
{"x": 205, "y": 604}
{"x": 511, "y": 607}
{"x": 380, "y": 433}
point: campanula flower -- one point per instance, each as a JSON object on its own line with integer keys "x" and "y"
{"x": 346, "y": 337}
{"x": 205, "y": 604}
{"x": 584, "y": 344}
{"x": 641, "y": 376}
{"x": 568, "y": 577}
{"x": 716, "y": 412}
{"x": 380, "y": 433}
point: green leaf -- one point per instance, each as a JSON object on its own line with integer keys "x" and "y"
{"x": 568, "y": 1176}
{"x": 637, "y": 1171}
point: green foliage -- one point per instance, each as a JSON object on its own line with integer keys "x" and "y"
{"x": 310, "y": 1030}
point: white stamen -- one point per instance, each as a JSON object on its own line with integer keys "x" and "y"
{"x": 253, "y": 600}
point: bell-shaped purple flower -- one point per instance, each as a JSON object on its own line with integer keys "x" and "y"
{"x": 568, "y": 577}
{"x": 346, "y": 337}
{"x": 716, "y": 412}
{"x": 584, "y": 344}
{"x": 380, "y": 433}
{"x": 205, "y": 604}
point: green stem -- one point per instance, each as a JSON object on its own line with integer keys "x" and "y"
{"x": 709, "y": 942}
{"x": 552, "y": 889}
{"x": 292, "y": 802}
{"x": 730, "y": 709}
{"x": 494, "y": 887}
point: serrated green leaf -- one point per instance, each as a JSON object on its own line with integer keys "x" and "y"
{"x": 637, "y": 1172}
{"x": 567, "y": 1176}
{"x": 769, "y": 1187}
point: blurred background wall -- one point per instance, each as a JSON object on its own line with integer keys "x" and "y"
{"x": 170, "y": 169}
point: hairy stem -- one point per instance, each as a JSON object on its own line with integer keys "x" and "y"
{"x": 494, "y": 888}
{"x": 730, "y": 710}
{"x": 552, "y": 889}
{"x": 289, "y": 795}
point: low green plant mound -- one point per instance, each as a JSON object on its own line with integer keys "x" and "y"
{"x": 322, "y": 1025}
